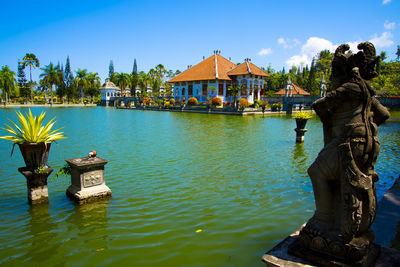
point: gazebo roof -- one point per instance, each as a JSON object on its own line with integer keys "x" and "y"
{"x": 296, "y": 90}
{"x": 109, "y": 85}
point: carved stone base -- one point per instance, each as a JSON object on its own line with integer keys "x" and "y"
{"x": 91, "y": 194}
{"x": 37, "y": 184}
{"x": 300, "y": 135}
{"x": 330, "y": 247}
{"x": 323, "y": 259}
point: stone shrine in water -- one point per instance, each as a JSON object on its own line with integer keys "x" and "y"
{"x": 87, "y": 179}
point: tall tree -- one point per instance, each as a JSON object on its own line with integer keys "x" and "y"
{"x": 8, "y": 83}
{"x": 69, "y": 81}
{"x": 398, "y": 52}
{"x": 110, "y": 69}
{"x": 51, "y": 74}
{"x": 22, "y": 81}
{"x": 134, "y": 69}
{"x": 311, "y": 78}
{"x": 382, "y": 57}
{"x": 61, "y": 89}
{"x": 32, "y": 61}
{"x": 133, "y": 82}
{"x": 81, "y": 81}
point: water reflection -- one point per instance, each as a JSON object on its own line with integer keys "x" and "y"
{"x": 42, "y": 233}
{"x": 91, "y": 220}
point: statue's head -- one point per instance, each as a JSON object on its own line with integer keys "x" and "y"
{"x": 343, "y": 63}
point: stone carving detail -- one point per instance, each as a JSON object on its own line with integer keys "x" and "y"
{"x": 343, "y": 174}
{"x": 93, "y": 178}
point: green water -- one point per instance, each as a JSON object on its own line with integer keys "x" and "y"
{"x": 241, "y": 180}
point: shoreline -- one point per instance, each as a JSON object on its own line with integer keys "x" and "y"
{"x": 46, "y": 105}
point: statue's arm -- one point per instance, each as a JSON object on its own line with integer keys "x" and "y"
{"x": 381, "y": 114}
{"x": 324, "y": 106}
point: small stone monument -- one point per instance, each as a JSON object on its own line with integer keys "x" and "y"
{"x": 87, "y": 179}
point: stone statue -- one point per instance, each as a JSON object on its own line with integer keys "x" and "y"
{"x": 343, "y": 174}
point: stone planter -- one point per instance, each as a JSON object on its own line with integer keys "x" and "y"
{"x": 35, "y": 155}
{"x": 301, "y": 123}
{"x": 300, "y": 130}
{"x": 87, "y": 180}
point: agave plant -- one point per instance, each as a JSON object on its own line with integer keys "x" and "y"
{"x": 303, "y": 115}
{"x": 31, "y": 130}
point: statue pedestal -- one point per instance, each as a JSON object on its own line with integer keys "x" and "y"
{"x": 87, "y": 180}
{"x": 37, "y": 184}
{"x": 281, "y": 255}
{"x": 300, "y": 135}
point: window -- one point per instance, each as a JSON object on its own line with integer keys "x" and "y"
{"x": 220, "y": 89}
{"x": 204, "y": 89}
{"x": 190, "y": 90}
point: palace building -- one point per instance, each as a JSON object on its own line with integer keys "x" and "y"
{"x": 213, "y": 76}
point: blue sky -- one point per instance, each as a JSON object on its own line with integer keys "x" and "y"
{"x": 179, "y": 33}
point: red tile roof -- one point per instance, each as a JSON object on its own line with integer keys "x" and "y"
{"x": 206, "y": 70}
{"x": 295, "y": 91}
{"x": 247, "y": 68}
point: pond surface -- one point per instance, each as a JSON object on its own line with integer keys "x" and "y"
{"x": 240, "y": 180}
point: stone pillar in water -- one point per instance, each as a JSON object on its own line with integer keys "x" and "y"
{"x": 36, "y": 181}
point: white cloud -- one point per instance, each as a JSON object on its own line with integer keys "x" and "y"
{"x": 287, "y": 43}
{"x": 384, "y": 2}
{"x": 265, "y": 51}
{"x": 310, "y": 49}
{"x": 282, "y": 42}
{"x": 314, "y": 45}
{"x": 384, "y": 40}
{"x": 389, "y": 25}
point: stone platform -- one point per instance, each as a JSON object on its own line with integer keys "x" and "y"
{"x": 387, "y": 219}
{"x": 279, "y": 256}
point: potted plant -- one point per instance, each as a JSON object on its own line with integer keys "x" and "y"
{"x": 33, "y": 138}
{"x": 301, "y": 119}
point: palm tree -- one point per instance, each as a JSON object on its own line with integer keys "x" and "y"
{"x": 81, "y": 80}
{"x": 93, "y": 82}
{"x": 122, "y": 80}
{"x": 8, "y": 82}
{"x": 51, "y": 76}
{"x": 143, "y": 82}
{"x": 32, "y": 61}
{"x": 161, "y": 71}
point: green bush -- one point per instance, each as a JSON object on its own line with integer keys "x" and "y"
{"x": 160, "y": 102}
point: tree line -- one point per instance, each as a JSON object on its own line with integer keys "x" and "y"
{"x": 387, "y": 83}
{"x": 80, "y": 86}
{"x": 83, "y": 86}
